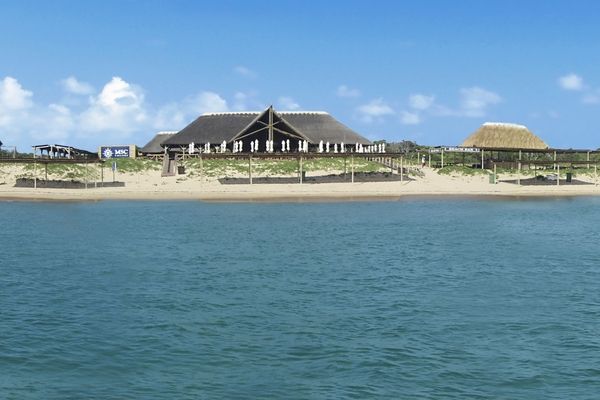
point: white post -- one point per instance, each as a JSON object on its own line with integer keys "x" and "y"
{"x": 482, "y": 161}
{"x": 558, "y": 175}
{"x": 588, "y": 160}
{"x": 495, "y": 178}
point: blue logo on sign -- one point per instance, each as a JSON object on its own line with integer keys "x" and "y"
{"x": 115, "y": 152}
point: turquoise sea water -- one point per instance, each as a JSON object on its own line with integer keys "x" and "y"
{"x": 424, "y": 298}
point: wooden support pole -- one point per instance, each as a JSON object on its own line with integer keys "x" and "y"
{"x": 86, "y": 174}
{"x": 391, "y": 164}
{"x": 596, "y": 174}
{"x": 201, "y": 168}
{"x": 442, "y": 158}
{"x": 554, "y": 166}
{"x": 519, "y": 173}
{"x": 34, "y": 174}
{"x": 558, "y": 175}
{"x": 430, "y": 159}
{"x": 401, "y": 169}
{"x": 46, "y": 171}
{"x": 102, "y": 174}
{"x": 588, "y": 160}
{"x": 352, "y": 166}
{"x": 482, "y": 161}
{"x": 250, "y": 168}
{"x": 301, "y": 170}
{"x": 495, "y": 176}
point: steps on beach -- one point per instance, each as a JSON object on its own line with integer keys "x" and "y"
{"x": 168, "y": 168}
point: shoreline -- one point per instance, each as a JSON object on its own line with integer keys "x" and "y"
{"x": 428, "y": 184}
{"x": 285, "y": 194}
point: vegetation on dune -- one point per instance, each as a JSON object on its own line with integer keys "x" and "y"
{"x": 460, "y": 170}
{"x": 133, "y": 165}
{"x": 262, "y": 167}
{"x": 72, "y": 172}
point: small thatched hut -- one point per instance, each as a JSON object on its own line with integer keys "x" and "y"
{"x": 499, "y": 135}
{"x": 154, "y": 145}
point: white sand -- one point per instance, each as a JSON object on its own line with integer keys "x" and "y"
{"x": 151, "y": 186}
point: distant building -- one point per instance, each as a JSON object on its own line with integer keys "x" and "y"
{"x": 61, "y": 151}
{"x": 243, "y": 128}
{"x": 500, "y": 135}
{"x": 154, "y": 146}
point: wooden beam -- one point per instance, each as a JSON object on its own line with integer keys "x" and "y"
{"x": 250, "y": 168}
{"x": 270, "y": 123}
{"x": 401, "y": 169}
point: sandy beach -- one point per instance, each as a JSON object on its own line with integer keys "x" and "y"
{"x": 149, "y": 185}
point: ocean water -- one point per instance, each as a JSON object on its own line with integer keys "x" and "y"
{"x": 423, "y": 298}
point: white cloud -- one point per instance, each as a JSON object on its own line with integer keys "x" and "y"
{"x": 410, "y": 118}
{"x": 72, "y": 85}
{"x": 374, "y": 110}
{"x": 571, "y": 82}
{"x": 345, "y": 91}
{"x": 590, "y": 99}
{"x": 118, "y": 108}
{"x": 178, "y": 114}
{"x": 244, "y": 71}
{"x": 14, "y": 103}
{"x": 240, "y": 101}
{"x": 52, "y": 123}
{"x": 475, "y": 101}
{"x": 288, "y": 103}
{"x": 12, "y": 95}
{"x": 421, "y": 101}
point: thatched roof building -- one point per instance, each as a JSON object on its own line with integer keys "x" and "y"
{"x": 154, "y": 146}
{"x": 499, "y": 135}
{"x": 269, "y": 124}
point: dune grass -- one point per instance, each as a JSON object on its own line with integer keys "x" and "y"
{"x": 460, "y": 170}
{"x": 230, "y": 167}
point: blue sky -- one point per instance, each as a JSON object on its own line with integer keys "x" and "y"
{"x": 114, "y": 72}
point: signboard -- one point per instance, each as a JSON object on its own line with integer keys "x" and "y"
{"x": 115, "y": 152}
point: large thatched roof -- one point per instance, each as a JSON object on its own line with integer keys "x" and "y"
{"x": 504, "y": 135}
{"x": 218, "y": 127}
{"x": 154, "y": 145}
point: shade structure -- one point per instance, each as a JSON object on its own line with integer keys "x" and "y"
{"x": 309, "y": 126}
{"x": 504, "y": 135}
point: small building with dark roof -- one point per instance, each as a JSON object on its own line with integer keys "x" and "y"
{"x": 154, "y": 146}
{"x": 277, "y": 127}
